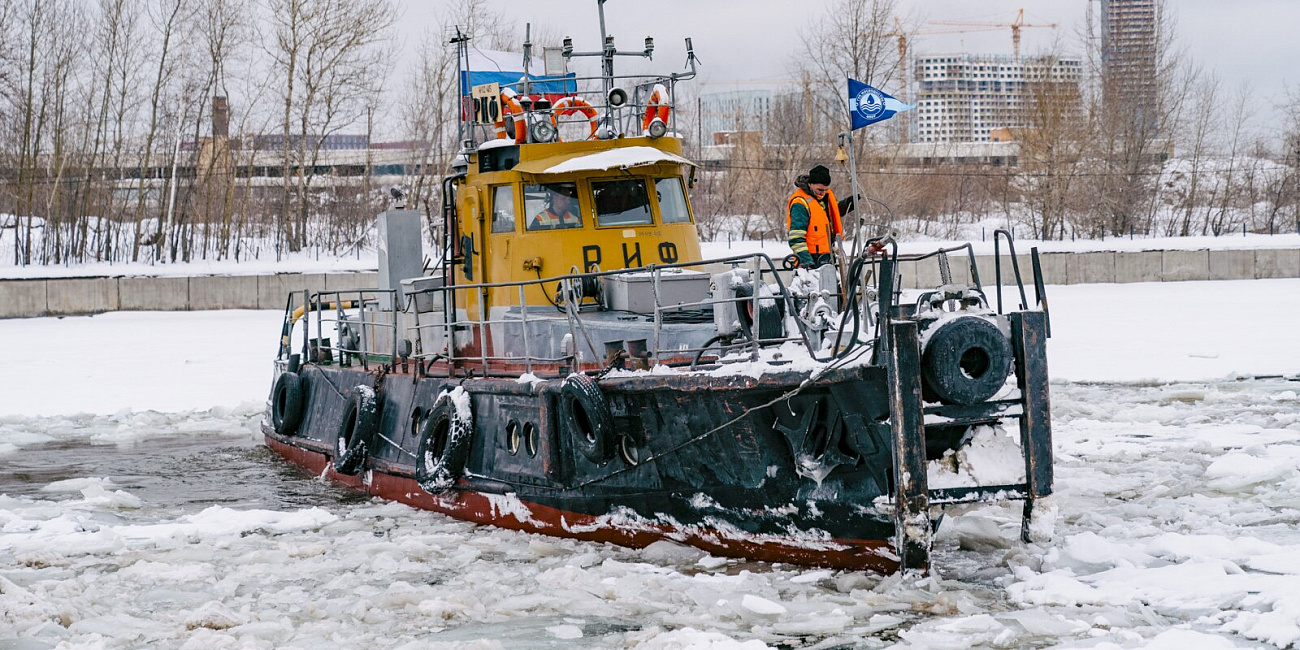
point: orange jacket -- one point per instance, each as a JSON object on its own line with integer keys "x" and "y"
{"x": 820, "y": 224}
{"x": 546, "y": 220}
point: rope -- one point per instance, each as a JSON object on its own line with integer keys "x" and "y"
{"x": 805, "y": 384}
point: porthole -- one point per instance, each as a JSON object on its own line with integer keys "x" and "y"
{"x": 531, "y": 439}
{"x": 513, "y": 437}
{"x": 629, "y": 451}
{"x": 417, "y": 419}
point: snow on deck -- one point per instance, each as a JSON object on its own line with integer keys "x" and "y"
{"x": 620, "y": 158}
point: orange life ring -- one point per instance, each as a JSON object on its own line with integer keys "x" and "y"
{"x": 656, "y": 108}
{"x": 574, "y": 104}
{"x": 511, "y": 122}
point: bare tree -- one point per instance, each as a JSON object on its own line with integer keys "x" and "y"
{"x": 1051, "y": 146}
{"x": 1291, "y": 155}
{"x": 1136, "y": 112}
{"x": 1189, "y": 180}
{"x": 853, "y": 38}
{"x": 1220, "y": 217}
{"x": 428, "y": 114}
{"x": 167, "y": 17}
{"x": 61, "y": 59}
{"x": 331, "y": 56}
{"x": 113, "y": 56}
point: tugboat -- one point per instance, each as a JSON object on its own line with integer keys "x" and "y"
{"x": 572, "y": 367}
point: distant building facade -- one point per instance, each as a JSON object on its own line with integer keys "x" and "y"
{"x": 737, "y": 110}
{"x": 973, "y": 97}
{"x": 1128, "y": 51}
{"x": 334, "y": 142}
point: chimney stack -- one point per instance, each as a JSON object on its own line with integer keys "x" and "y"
{"x": 220, "y": 117}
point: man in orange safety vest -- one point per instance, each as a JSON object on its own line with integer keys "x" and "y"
{"x": 813, "y": 218}
{"x": 560, "y": 211}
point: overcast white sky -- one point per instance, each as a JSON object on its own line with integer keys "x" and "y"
{"x": 743, "y": 41}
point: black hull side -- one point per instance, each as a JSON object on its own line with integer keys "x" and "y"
{"x": 719, "y": 458}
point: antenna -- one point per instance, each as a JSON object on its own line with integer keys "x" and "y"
{"x": 461, "y": 41}
{"x": 609, "y": 50}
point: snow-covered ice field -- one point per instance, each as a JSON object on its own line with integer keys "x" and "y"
{"x": 137, "y": 510}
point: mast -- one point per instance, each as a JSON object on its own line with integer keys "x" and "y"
{"x": 461, "y": 41}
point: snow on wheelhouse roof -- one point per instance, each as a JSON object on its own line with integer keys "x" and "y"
{"x": 620, "y": 158}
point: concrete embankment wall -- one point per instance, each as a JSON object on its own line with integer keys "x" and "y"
{"x": 1117, "y": 267}
{"x": 66, "y": 296}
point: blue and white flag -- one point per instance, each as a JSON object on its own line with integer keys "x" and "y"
{"x": 868, "y": 105}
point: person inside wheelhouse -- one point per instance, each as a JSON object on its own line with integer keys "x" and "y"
{"x": 556, "y": 205}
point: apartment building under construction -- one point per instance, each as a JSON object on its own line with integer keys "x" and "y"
{"x": 969, "y": 97}
{"x": 1129, "y": 45}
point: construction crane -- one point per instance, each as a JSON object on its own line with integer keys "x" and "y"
{"x": 903, "y": 35}
{"x": 1015, "y": 26}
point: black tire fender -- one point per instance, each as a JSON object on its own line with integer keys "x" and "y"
{"x": 445, "y": 442}
{"x": 356, "y": 430}
{"x": 586, "y": 419}
{"x": 771, "y": 309}
{"x": 966, "y": 361}
{"x": 287, "y": 399}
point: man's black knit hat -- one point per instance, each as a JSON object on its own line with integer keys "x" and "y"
{"x": 819, "y": 175}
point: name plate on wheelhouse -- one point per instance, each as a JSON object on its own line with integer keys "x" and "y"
{"x": 487, "y": 103}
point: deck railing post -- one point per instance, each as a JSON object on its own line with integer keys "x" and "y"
{"x": 659, "y": 313}
{"x": 757, "y": 320}
{"x": 1029, "y": 339}
{"x": 523, "y": 319}
{"x": 911, "y": 485}
{"x": 884, "y": 315}
{"x": 306, "y": 324}
{"x": 452, "y": 319}
{"x": 365, "y": 336}
{"x": 392, "y": 360}
{"x": 482, "y": 329}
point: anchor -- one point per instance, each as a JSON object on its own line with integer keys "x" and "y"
{"x": 815, "y": 448}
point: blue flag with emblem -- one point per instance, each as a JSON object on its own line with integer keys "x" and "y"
{"x": 868, "y": 105}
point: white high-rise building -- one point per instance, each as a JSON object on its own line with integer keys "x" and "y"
{"x": 967, "y": 97}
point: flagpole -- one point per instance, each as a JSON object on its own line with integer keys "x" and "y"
{"x": 853, "y": 179}
{"x": 867, "y": 106}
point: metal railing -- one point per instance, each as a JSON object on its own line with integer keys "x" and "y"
{"x": 479, "y": 341}
{"x": 302, "y": 305}
{"x": 569, "y": 286}
{"x": 621, "y": 119}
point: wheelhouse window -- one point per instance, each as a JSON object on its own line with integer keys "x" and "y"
{"x": 672, "y": 200}
{"x": 503, "y": 208}
{"x": 552, "y": 206}
{"x": 623, "y": 202}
